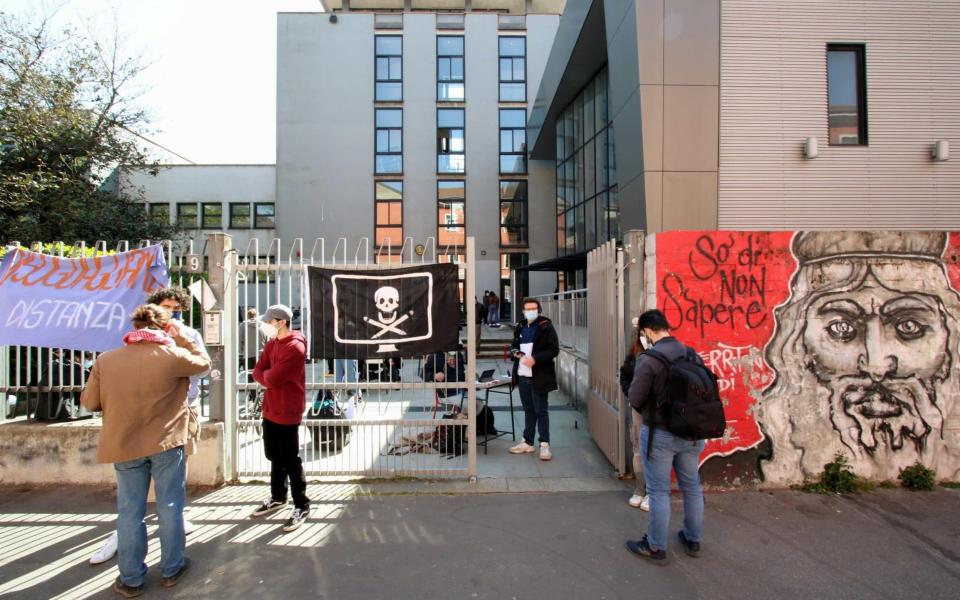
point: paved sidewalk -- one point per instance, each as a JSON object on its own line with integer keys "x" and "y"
{"x": 375, "y": 541}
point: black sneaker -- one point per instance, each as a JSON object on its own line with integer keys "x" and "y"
{"x": 691, "y": 548}
{"x": 169, "y": 582}
{"x": 297, "y": 517}
{"x": 642, "y": 549}
{"x": 127, "y": 591}
{"x": 268, "y": 507}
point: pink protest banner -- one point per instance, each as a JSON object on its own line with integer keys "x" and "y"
{"x": 75, "y": 303}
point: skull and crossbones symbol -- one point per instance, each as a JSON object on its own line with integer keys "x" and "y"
{"x": 387, "y": 300}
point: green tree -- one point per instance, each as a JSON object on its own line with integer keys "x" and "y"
{"x": 67, "y": 121}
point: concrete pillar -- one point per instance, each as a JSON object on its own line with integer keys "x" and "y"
{"x": 634, "y": 289}
{"x": 218, "y": 244}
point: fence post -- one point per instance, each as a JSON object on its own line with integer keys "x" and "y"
{"x": 471, "y": 374}
{"x": 231, "y": 349}
{"x": 218, "y": 245}
{"x": 4, "y": 380}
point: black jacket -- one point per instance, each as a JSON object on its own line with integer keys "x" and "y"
{"x": 650, "y": 379}
{"x": 546, "y": 347}
{"x": 437, "y": 363}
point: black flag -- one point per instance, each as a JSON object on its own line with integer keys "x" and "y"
{"x": 379, "y": 313}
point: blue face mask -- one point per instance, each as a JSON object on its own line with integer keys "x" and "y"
{"x": 178, "y": 315}
{"x": 531, "y": 315}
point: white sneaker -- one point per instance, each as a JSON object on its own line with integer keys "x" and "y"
{"x": 641, "y": 502}
{"x": 545, "y": 451}
{"x": 522, "y": 448}
{"x": 106, "y": 551}
{"x": 188, "y": 527}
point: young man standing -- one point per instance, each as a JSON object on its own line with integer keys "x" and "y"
{"x": 667, "y": 450}
{"x": 282, "y": 371}
{"x": 534, "y": 348}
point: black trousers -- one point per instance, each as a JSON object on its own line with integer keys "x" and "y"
{"x": 281, "y": 444}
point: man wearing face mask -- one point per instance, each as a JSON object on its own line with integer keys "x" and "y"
{"x": 534, "y": 348}
{"x": 282, "y": 371}
{"x": 173, "y": 299}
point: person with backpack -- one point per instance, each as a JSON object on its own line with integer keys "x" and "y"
{"x": 534, "y": 348}
{"x": 639, "y": 499}
{"x": 680, "y": 403}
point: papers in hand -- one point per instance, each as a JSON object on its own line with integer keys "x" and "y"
{"x": 522, "y": 369}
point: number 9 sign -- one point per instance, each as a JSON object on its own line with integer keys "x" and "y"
{"x": 194, "y": 263}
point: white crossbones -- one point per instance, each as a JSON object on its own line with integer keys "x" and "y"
{"x": 388, "y": 327}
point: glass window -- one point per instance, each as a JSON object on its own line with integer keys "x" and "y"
{"x": 450, "y": 70}
{"x": 388, "y": 141}
{"x": 389, "y": 68}
{"x": 846, "y": 94}
{"x": 451, "y": 213}
{"x": 513, "y": 69}
{"x": 513, "y": 213}
{"x": 212, "y": 215}
{"x": 187, "y": 216}
{"x": 240, "y": 215}
{"x": 160, "y": 213}
{"x": 451, "y": 142}
{"x": 388, "y": 214}
{"x": 513, "y": 140}
{"x": 265, "y": 215}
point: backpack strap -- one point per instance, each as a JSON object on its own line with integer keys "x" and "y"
{"x": 666, "y": 362}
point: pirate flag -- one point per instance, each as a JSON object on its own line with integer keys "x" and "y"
{"x": 379, "y": 313}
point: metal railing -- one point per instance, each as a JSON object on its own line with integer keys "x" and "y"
{"x": 568, "y": 311}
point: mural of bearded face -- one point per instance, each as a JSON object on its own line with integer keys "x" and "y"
{"x": 864, "y": 355}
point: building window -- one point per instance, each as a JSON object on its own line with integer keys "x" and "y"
{"x": 265, "y": 217}
{"x": 451, "y": 142}
{"x": 450, "y": 21}
{"x": 388, "y": 215}
{"x": 510, "y": 262}
{"x": 457, "y": 259}
{"x": 588, "y": 212}
{"x": 847, "y": 94}
{"x": 513, "y": 140}
{"x": 389, "y": 68}
{"x": 450, "y": 75}
{"x": 513, "y": 213}
{"x": 511, "y": 22}
{"x": 187, "y": 216}
{"x": 389, "y": 141}
{"x": 513, "y": 68}
{"x": 160, "y": 213}
{"x": 212, "y": 215}
{"x": 240, "y": 215}
{"x": 451, "y": 214}
{"x": 388, "y": 21}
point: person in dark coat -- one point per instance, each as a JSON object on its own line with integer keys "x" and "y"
{"x": 534, "y": 348}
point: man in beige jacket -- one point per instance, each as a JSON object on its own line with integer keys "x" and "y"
{"x": 141, "y": 390}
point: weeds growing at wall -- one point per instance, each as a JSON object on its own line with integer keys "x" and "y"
{"x": 950, "y": 485}
{"x": 837, "y": 478}
{"x": 917, "y": 477}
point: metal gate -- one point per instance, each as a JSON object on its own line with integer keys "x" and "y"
{"x": 394, "y": 417}
{"x": 606, "y": 406}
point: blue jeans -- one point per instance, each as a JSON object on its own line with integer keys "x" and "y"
{"x": 168, "y": 470}
{"x": 493, "y": 314}
{"x": 536, "y": 417}
{"x": 684, "y": 457}
{"x": 345, "y": 370}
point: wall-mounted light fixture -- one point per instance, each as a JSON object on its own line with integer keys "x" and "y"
{"x": 940, "y": 150}
{"x": 811, "y": 149}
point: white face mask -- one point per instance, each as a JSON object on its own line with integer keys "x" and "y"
{"x": 644, "y": 343}
{"x": 269, "y": 330}
{"x": 530, "y": 315}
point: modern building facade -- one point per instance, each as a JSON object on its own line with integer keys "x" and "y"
{"x": 400, "y": 123}
{"x": 748, "y": 114}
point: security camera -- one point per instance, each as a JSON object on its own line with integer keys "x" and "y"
{"x": 333, "y": 18}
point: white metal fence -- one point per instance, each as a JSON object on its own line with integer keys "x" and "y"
{"x": 568, "y": 311}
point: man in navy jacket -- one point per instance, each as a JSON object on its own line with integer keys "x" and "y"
{"x": 534, "y": 348}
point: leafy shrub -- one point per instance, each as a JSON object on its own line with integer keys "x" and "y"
{"x": 837, "y": 478}
{"x": 917, "y": 477}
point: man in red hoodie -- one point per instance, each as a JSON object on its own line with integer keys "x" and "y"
{"x": 282, "y": 371}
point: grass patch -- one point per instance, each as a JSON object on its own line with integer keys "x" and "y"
{"x": 950, "y": 485}
{"x": 917, "y": 477}
{"x": 837, "y": 477}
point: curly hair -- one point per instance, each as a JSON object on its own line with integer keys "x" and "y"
{"x": 150, "y": 316}
{"x": 179, "y": 295}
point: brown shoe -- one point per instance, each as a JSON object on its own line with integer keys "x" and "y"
{"x": 169, "y": 582}
{"x": 127, "y": 591}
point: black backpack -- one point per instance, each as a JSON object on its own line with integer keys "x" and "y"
{"x": 331, "y": 438}
{"x": 691, "y": 402}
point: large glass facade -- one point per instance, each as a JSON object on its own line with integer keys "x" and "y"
{"x": 588, "y": 213}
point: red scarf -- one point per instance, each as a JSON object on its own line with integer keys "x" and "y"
{"x": 148, "y": 336}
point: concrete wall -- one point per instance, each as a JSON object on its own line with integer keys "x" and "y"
{"x": 66, "y": 453}
{"x": 209, "y": 183}
{"x": 823, "y": 342}
{"x": 774, "y": 96}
